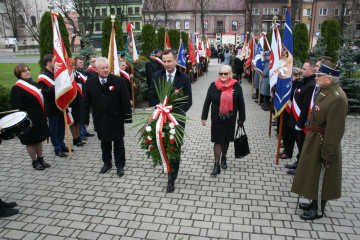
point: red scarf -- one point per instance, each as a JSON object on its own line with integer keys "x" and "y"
{"x": 226, "y": 99}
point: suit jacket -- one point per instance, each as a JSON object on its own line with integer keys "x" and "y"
{"x": 150, "y": 68}
{"x": 181, "y": 81}
{"x": 111, "y": 107}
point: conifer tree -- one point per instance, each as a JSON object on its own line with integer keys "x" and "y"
{"x": 330, "y": 30}
{"x": 301, "y": 42}
{"x": 148, "y": 39}
{"x": 106, "y": 33}
{"x": 161, "y": 38}
{"x": 174, "y": 38}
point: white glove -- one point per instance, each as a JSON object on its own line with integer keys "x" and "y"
{"x": 297, "y": 128}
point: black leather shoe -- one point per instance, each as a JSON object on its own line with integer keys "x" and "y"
{"x": 7, "y": 212}
{"x": 42, "y": 162}
{"x": 307, "y": 206}
{"x": 66, "y": 149}
{"x": 9, "y": 204}
{"x": 105, "y": 168}
{"x": 291, "y": 166}
{"x": 170, "y": 187}
{"x": 83, "y": 138}
{"x": 60, "y": 154}
{"x": 36, "y": 164}
{"x": 312, "y": 214}
{"x": 89, "y": 135}
{"x": 120, "y": 172}
{"x": 291, "y": 172}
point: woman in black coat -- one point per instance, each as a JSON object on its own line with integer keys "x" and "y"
{"x": 226, "y": 99}
{"x": 26, "y": 97}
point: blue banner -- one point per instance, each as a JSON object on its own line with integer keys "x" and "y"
{"x": 181, "y": 56}
{"x": 258, "y": 61}
{"x": 284, "y": 82}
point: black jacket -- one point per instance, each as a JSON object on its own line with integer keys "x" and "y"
{"x": 111, "y": 107}
{"x": 302, "y": 96}
{"x": 150, "y": 68}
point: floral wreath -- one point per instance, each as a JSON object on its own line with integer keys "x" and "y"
{"x": 161, "y": 135}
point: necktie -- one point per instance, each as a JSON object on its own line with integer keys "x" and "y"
{"x": 170, "y": 78}
{"x": 102, "y": 82}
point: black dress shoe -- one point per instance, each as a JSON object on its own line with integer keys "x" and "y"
{"x": 312, "y": 214}
{"x": 291, "y": 172}
{"x": 223, "y": 163}
{"x": 36, "y": 164}
{"x": 66, "y": 149}
{"x": 170, "y": 187}
{"x": 60, "y": 154}
{"x": 307, "y": 206}
{"x": 9, "y": 204}
{"x": 120, "y": 172}
{"x": 89, "y": 135}
{"x": 83, "y": 138}
{"x": 291, "y": 166}
{"x": 42, "y": 162}
{"x": 105, "y": 168}
{"x": 7, "y": 212}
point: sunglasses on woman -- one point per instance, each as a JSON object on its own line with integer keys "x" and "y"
{"x": 223, "y": 73}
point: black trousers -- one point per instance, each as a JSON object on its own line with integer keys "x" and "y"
{"x": 119, "y": 153}
{"x": 300, "y": 137}
{"x": 174, "y": 169}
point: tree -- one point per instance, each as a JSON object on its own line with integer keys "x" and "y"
{"x": 301, "y": 42}
{"x": 46, "y": 36}
{"x": 350, "y": 79}
{"x": 106, "y": 32}
{"x": 295, "y": 7}
{"x": 161, "y": 38}
{"x": 204, "y": 4}
{"x": 148, "y": 38}
{"x": 185, "y": 37}
{"x": 319, "y": 49}
{"x": 151, "y": 10}
{"x": 80, "y": 14}
{"x": 330, "y": 30}
{"x": 174, "y": 38}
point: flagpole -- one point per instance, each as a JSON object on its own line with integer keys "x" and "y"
{"x": 279, "y": 138}
{"x": 67, "y": 134}
{"x": 260, "y": 79}
{"x": 271, "y": 111}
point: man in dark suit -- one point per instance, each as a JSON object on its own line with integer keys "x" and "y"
{"x": 109, "y": 98}
{"x": 150, "y": 68}
{"x": 180, "y": 81}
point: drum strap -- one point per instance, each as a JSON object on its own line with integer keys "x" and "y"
{"x": 45, "y": 79}
{"x": 33, "y": 90}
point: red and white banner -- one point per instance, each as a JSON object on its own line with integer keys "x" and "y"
{"x": 65, "y": 85}
{"x": 112, "y": 55}
{"x": 274, "y": 57}
{"x": 166, "y": 42}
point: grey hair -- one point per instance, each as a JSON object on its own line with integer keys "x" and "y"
{"x": 101, "y": 59}
{"x": 227, "y": 68}
{"x": 335, "y": 79}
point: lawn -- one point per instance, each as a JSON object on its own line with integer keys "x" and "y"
{"x": 8, "y": 78}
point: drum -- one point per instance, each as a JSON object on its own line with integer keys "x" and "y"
{"x": 14, "y": 124}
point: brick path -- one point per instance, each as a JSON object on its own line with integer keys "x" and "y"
{"x": 250, "y": 200}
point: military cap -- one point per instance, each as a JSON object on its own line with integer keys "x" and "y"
{"x": 328, "y": 68}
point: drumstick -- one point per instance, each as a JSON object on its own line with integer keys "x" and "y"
{"x": 16, "y": 110}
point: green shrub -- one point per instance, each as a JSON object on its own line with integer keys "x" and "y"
{"x": 148, "y": 39}
{"x": 161, "y": 38}
{"x": 330, "y": 30}
{"x": 185, "y": 39}
{"x": 301, "y": 42}
{"x": 174, "y": 38}
{"x": 5, "y": 98}
{"x": 106, "y": 33}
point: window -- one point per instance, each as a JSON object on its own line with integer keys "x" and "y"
{"x": 255, "y": 11}
{"x": 137, "y": 10}
{"x": 319, "y": 27}
{"x": 274, "y": 11}
{"x": 112, "y": 10}
{"x": 234, "y": 25}
{"x": 104, "y": 12}
{"x": 307, "y": 12}
{"x": 130, "y": 11}
{"x": 219, "y": 26}
{"x": 264, "y": 27}
{"x": 323, "y": 12}
{"x": 97, "y": 12}
{"x": 206, "y": 25}
{"x": 265, "y": 11}
{"x": 118, "y": 11}
{"x": 33, "y": 21}
{"x": 336, "y": 12}
{"x": 357, "y": 27}
{"x": 137, "y": 25}
{"x": 308, "y": 26}
{"x": 255, "y": 26}
{"x": 284, "y": 11}
{"x": 347, "y": 12}
{"x": 97, "y": 26}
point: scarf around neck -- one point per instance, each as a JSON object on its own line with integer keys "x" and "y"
{"x": 226, "y": 99}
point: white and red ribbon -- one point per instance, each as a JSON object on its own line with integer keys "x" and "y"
{"x": 33, "y": 90}
{"x": 161, "y": 113}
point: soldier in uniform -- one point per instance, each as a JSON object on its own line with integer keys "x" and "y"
{"x": 150, "y": 68}
{"x": 159, "y": 62}
{"x": 322, "y": 145}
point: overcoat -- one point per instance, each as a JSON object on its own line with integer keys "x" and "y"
{"x": 256, "y": 80}
{"x": 329, "y": 111}
{"x": 111, "y": 107}
{"x": 27, "y": 102}
{"x": 265, "y": 81}
{"x": 222, "y": 130}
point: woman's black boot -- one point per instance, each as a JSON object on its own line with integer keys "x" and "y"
{"x": 216, "y": 170}
{"x": 42, "y": 162}
{"x": 37, "y": 165}
{"x": 223, "y": 163}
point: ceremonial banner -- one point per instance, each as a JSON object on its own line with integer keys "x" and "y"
{"x": 274, "y": 59}
{"x": 131, "y": 54}
{"x": 191, "y": 51}
{"x": 181, "y": 56}
{"x": 284, "y": 82}
{"x": 250, "y": 53}
{"x": 65, "y": 85}
{"x": 166, "y": 42}
{"x": 112, "y": 55}
{"x": 258, "y": 62}
{"x": 208, "y": 51}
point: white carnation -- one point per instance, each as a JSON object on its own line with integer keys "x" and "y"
{"x": 149, "y": 138}
{"x": 171, "y": 125}
{"x": 171, "y": 137}
{"x": 172, "y": 131}
{"x": 148, "y": 128}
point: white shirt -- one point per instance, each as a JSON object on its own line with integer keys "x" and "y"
{"x": 172, "y": 75}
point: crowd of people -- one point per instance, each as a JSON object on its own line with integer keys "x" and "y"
{"x": 318, "y": 106}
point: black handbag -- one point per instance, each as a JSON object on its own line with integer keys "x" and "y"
{"x": 241, "y": 143}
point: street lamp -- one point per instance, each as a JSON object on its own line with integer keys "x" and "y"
{"x": 51, "y": 5}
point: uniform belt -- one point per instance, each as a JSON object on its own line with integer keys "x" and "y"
{"x": 315, "y": 128}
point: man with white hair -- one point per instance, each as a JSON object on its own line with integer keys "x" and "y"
{"x": 319, "y": 173}
{"x": 109, "y": 98}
